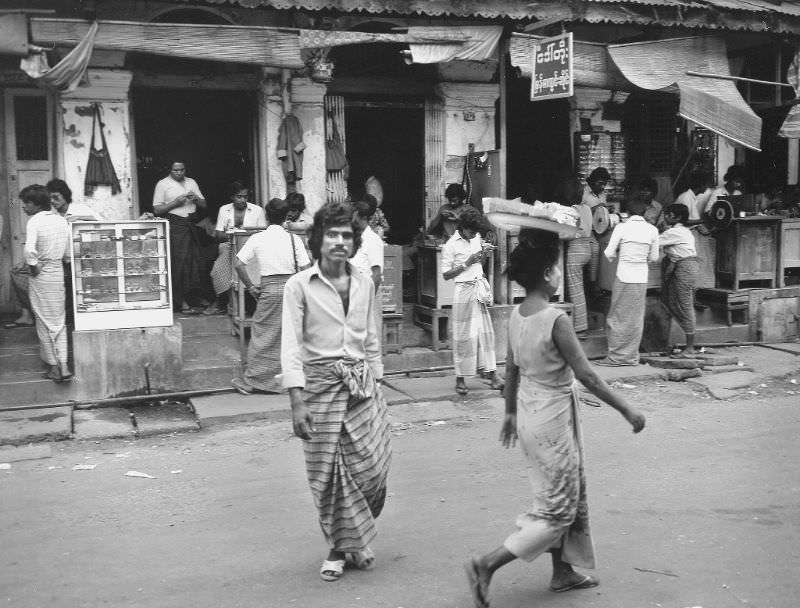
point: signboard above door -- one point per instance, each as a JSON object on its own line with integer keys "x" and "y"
{"x": 551, "y": 72}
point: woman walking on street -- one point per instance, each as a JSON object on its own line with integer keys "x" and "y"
{"x": 544, "y": 359}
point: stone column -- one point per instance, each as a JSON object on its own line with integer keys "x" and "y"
{"x": 270, "y": 108}
{"x": 307, "y": 105}
{"x": 469, "y": 111}
{"x": 110, "y": 89}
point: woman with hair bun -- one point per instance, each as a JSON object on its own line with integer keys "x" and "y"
{"x": 543, "y": 362}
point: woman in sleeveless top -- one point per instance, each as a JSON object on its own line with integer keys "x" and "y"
{"x": 544, "y": 358}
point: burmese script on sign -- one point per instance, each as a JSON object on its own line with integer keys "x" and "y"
{"x": 552, "y": 68}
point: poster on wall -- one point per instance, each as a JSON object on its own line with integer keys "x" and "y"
{"x": 551, "y": 72}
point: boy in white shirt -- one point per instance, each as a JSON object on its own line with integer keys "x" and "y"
{"x": 473, "y": 334}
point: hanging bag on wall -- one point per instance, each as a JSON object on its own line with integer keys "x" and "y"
{"x": 99, "y": 169}
{"x": 335, "y": 158}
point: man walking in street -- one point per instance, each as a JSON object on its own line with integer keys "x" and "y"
{"x": 331, "y": 365}
{"x": 635, "y": 243}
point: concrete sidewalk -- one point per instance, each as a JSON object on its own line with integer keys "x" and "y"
{"x": 427, "y": 396}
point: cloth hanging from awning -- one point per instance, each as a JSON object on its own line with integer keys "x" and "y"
{"x": 471, "y": 43}
{"x": 791, "y": 126}
{"x": 709, "y": 102}
{"x": 229, "y": 43}
{"x": 66, "y": 75}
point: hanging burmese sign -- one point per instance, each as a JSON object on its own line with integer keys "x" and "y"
{"x": 551, "y": 74}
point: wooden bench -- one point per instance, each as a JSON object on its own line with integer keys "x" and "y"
{"x": 436, "y": 321}
{"x": 729, "y": 301}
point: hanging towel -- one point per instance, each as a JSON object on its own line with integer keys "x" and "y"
{"x": 67, "y": 73}
{"x": 481, "y": 44}
{"x": 99, "y": 169}
{"x": 290, "y": 148}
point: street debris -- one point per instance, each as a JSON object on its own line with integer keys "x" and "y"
{"x": 138, "y": 474}
{"x": 664, "y": 572}
{"x": 177, "y": 471}
{"x": 435, "y": 422}
{"x": 628, "y": 385}
{"x": 4, "y": 466}
{"x": 762, "y": 386}
{"x": 83, "y": 467}
{"x": 793, "y": 381}
{"x": 752, "y": 392}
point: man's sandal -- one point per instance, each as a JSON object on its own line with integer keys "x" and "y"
{"x": 363, "y": 560}
{"x": 331, "y": 570}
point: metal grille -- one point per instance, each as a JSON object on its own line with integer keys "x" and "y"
{"x": 30, "y": 127}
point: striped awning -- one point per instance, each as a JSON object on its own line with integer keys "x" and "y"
{"x": 713, "y": 103}
{"x": 230, "y": 43}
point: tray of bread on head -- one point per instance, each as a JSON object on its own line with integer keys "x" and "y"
{"x": 516, "y": 215}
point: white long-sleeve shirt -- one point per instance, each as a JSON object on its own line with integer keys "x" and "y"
{"x": 637, "y": 244}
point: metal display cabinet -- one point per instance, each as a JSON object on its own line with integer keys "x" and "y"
{"x": 121, "y": 274}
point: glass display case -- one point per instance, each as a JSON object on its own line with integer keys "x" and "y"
{"x": 120, "y": 274}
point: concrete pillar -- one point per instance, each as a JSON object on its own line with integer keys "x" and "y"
{"x": 469, "y": 116}
{"x": 270, "y": 107}
{"x": 110, "y": 89}
{"x": 307, "y": 105}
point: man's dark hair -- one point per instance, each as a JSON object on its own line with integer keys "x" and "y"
{"x": 328, "y": 216}
{"x": 599, "y": 174}
{"x": 38, "y": 195}
{"x": 455, "y": 191}
{"x": 649, "y": 184}
{"x": 679, "y": 210}
{"x": 60, "y": 186}
{"x": 276, "y": 210}
{"x": 296, "y": 201}
{"x": 365, "y": 207}
{"x": 236, "y": 188}
{"x": 471, "y": 219}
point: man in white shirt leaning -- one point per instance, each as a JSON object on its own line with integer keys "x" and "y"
{"x": 634, "y": 243}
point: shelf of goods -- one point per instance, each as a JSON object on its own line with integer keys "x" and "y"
{"x": 120, "y": 274}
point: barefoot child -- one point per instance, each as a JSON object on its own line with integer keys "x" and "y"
{"x": 544, "y": 358}
{"x": 680, "y": 272}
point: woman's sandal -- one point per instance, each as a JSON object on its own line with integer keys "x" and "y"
{"x": 363, "y": 560}
{"x": 331, "y": 570}
{"x": 462, "y": 390}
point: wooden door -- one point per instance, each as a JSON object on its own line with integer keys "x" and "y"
{"x": 28, "y": 158}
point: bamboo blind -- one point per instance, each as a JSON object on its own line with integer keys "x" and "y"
{"x": 230, "y": 43}
{"x": 434, "y": 158}
{"x": 335, "y": 181}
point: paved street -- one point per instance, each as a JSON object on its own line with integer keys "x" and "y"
{"x": 701, "y": 509}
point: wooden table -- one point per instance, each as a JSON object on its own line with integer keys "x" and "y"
{"x": 748, "y": 251}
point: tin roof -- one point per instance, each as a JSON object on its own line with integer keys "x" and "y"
{"x": 769, "y": 16}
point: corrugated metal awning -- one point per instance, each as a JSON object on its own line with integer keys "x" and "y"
{"x": 710, "y": 102}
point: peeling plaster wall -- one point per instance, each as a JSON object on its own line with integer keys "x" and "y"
{"x": 469, "y": 118}
{"x": 306, "y": 103}
{"x": 76, "y": 124}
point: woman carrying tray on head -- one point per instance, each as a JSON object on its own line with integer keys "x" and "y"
{"x": 543, "y": 361}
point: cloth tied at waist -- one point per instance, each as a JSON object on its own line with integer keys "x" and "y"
{"x": 357, "y": 376}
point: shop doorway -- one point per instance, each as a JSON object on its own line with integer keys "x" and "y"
{"x": 386, "y": 139}
{"x": 211, "y": 131}
{"x": 539, "y": 143}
